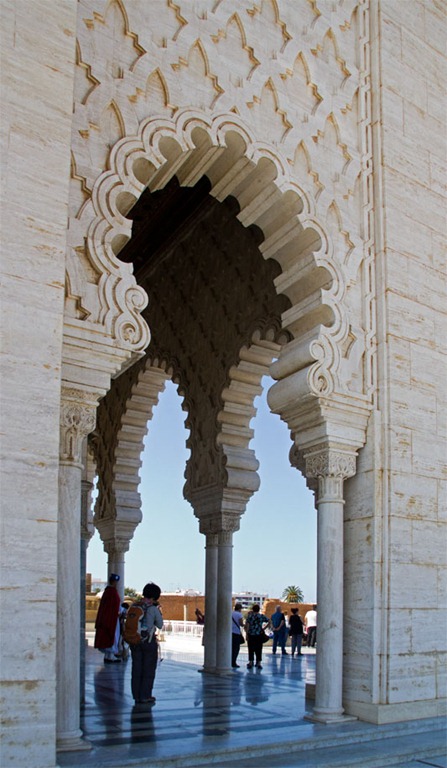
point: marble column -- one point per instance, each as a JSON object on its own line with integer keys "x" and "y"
{"x": 210, "y": 629}
{"x": 116, "y": 562}
{"x": 87, "y": 531}
{"x": 78, "y": 416}
{"x": 224, "y": 601}
{"x": 330, "y": 467}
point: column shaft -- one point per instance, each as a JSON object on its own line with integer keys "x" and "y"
{"x": 329, "y": 673}
{"x": 77, "y": 420}
{"x": 224, "y": 600}
{"x": 116, "y": 564}
{"x": 210, "y": 629}
{"x": 68, "y": 610}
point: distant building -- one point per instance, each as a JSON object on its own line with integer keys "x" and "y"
{"x": 98, "y": 585}
{"x": 248, "y": 598}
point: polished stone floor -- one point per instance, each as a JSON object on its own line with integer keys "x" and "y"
{"x": 248, "y": 718}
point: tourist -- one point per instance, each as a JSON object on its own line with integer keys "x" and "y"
{"x": 200, "y": 618}
{"x": 107, "y": 623}
{"x": 296, "y": 632}
{"x": 145, "y": 653}
{"x": 310, "y": 622}
{"x": 254, "y": 627}
{"x": 237, "y": 621}
{"x": 278, "y": 624}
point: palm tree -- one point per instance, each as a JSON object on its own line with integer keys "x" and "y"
{"x": 292, "y": 595}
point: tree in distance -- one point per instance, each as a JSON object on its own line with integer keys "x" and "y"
{"x": 293, "y": 595}
{"x": 131, "y": 592}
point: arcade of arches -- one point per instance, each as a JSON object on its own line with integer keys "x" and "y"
{"x": 249, "y": 190}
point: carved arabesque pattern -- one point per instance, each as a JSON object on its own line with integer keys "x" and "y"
{"x": 310, "y": 276}
{"x": 313, "y": 75}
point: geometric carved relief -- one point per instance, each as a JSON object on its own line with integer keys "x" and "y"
{"x": 193, "y": 145}
{"x": 284, "y": 144}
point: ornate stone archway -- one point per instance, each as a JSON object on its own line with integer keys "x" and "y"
{"x": 104, "y": 331}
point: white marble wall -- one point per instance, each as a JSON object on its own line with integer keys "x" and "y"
{"x": 395, "y": 512}
{"x": 396, "y": 628}
{"x": 37, "y": 84}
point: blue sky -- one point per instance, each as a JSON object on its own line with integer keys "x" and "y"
{"x": 276, "y": 544}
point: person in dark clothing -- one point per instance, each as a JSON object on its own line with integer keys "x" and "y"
{"x": 278, "y": 623}
{"x": 254, "y": 628}
{"x": 296, "y": 632}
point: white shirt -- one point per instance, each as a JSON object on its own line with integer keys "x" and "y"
{"x": 310, "y": 619}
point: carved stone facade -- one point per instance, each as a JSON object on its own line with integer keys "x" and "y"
{"x": 250, "y": 187}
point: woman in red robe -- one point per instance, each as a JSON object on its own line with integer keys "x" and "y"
{"x": 107, "y": 621}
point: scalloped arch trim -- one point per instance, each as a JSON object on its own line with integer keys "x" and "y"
{"x": 223, "y": 148}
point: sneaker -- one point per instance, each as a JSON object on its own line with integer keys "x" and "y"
{"x": 235, "y": 666}
{"x": 258, "y": 666}
{"x": 249, "y": 665}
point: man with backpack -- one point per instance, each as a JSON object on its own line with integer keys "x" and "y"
{"x": 142, "y": 620}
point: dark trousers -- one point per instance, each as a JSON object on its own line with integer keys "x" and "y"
{"x": 296, "y": 641}
{"x": 144, "y": 664}
{"x": 235, "y": 647}
{"x": 254, "y": 648}
{"x": 279, "y": 638}
{"x": 311, "y": 636}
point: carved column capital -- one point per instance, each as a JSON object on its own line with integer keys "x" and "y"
{"x": 115, "y": 547}
{"x": 330, "y": 465}
{"x": 77, "y": 420}
{"x": 330, "y": 461}
{"x": 221, "y": 525}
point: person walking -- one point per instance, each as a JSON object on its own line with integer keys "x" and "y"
{"x": 107, "y": 623}
{"x": 310, "y": 622}
{"x": 278, "y": 623}
{"x": 254, "y": 627}
{"x": 237, "y": 622}
{"x": 145, "y": 653}
{"x": 295, "y": 632}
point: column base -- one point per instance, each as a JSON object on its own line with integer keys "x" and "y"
{"x": 216, "y": 671}
{"x": 327, "y": 718}
{"x": 72, "y": 742}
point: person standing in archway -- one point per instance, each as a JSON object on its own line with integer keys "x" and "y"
{"x": 145, "y": 653}
{"x": 310, "y": 622}
{"x": 237, "y": 621}
{"x": 278, "y": 622}
{"x": 107, "y": 623}
{"x": 254, "y": 627}
{"x": 296, "y": 632}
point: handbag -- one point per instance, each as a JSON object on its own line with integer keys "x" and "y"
{"x": 265, "y": 637}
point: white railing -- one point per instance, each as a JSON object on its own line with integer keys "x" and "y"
{"x": 182, "y": 628}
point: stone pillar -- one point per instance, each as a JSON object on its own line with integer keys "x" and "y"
{"x": 210, "y": 628}
{"x": 87, "y": 531}
{"x": 330, "y": 467}
{"x": 224, "y": 601}
{"x": 116, "y": 561}
{"x": 78, "y": 414}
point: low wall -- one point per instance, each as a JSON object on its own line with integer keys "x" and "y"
{"x": 182, "y": 607}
